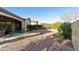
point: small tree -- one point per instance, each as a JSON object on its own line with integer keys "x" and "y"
{"x": 65, "y": 30}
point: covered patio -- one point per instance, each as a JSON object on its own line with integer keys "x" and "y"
{"x": 9, "y": 25}
{"x": 12, "y": 26}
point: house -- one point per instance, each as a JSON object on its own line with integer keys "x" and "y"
{"x": 10, "y": 22}
{"x": 34, "y": 22}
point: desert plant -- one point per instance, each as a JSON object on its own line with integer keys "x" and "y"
{"x": 65, "y": 30}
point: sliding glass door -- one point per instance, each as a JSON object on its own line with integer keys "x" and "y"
{"x": 2, "y": 26}
{"x": 18, "y": 26}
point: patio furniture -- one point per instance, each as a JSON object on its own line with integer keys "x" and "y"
{"x": 8, "y": 35}
{"x": 2, "y": 33}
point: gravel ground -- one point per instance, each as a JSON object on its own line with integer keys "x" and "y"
{"x": 50, "y": 43}
{"x": 43, "y": 42}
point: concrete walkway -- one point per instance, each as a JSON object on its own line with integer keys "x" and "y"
{"x": 16, "y": 36}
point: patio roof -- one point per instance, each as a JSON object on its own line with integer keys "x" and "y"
{"x": 7, "y": 19}
{"x": 4, "y": 12}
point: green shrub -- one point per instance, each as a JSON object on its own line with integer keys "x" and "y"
{"x": 65, "y": 30}
{"x": 34, "y": 27}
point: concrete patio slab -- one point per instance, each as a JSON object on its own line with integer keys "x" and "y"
{"x": 16, "y": 35}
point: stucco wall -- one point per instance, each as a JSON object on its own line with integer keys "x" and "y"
{"x": 24, "y": 25}
{"x": 75, "y": 35}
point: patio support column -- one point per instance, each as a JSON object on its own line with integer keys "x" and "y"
{"x": 5, "y": 25}
{"x": 13, "y": 26}
{"x": 23, "y": 26}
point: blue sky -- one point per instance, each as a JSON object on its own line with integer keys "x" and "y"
{"x": 42, "y": 14}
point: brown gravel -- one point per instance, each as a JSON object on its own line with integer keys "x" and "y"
{"x": 43, "y": 42}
